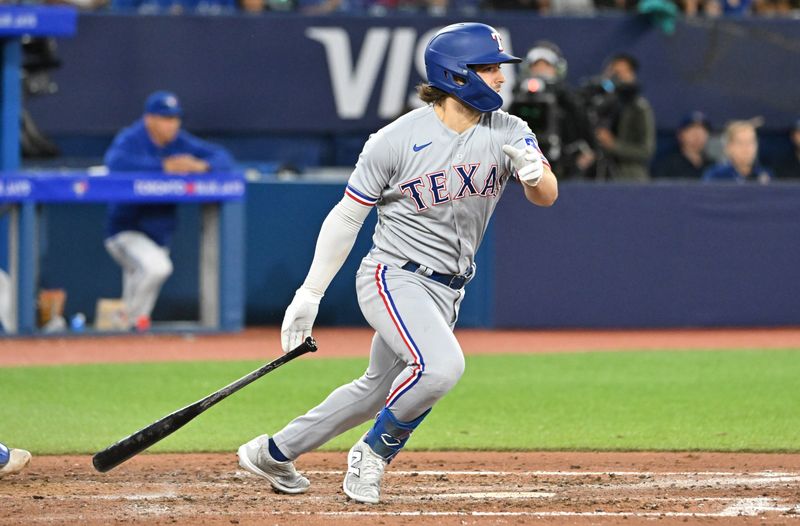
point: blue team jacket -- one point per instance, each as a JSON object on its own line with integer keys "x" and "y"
{"x": 726, "y": 172}
{"x": 132, "y": 150}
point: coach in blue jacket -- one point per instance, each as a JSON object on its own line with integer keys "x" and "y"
{"x": 138, "y": 236}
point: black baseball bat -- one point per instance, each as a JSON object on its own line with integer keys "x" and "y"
{"x": 117, "y": 453}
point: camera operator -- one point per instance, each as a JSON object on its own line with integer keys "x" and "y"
{"x": 544, "y": 100}
{"x": 624, "y": 124}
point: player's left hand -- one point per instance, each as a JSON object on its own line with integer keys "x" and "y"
{"x": 184, "y": 164}
{"x": 527, "y": 162}
{"x": 299, "y": 319}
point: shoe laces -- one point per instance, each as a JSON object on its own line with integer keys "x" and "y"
{"x": 372, "y": 467}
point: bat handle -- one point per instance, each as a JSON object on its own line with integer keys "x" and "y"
{"x": 310, "y": 344}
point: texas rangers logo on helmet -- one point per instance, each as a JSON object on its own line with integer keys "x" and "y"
{"x": 497, "y": 38}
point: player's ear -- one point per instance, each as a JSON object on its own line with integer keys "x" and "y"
{"x": 456, "y": 78}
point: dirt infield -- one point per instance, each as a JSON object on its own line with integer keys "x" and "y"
{"x": 441, "y": 488}
{"x": 420, "y": 489}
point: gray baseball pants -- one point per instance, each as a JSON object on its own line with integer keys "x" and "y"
{"x": 414, "y": 361}
{"x": 145, "y": 267}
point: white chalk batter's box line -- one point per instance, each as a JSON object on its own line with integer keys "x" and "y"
{"x": 540, "y": 514}
{"x": 740, "y": 507}
{"x": 749, "y": 507}
{"x": 644, "y": 479}
{"x": 736, "y": 506}
{"x": 158, "y": 496}
{"x": 437, "y": 473}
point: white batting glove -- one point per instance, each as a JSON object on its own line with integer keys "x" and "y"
{"x": 299, "y": 319}
{"x": 528, "y": 163}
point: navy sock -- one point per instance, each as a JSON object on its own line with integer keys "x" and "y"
{"x": 276, "y": 453}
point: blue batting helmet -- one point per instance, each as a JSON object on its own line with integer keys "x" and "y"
{"x": 456, "y": 47}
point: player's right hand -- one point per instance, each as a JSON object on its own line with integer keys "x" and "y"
{"x": 183, "y": 164}
{"x": 528, "y": 163}
{"x": 299, "y": 319}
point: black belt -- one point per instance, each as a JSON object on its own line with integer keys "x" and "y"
{"x": 454, "y": 281}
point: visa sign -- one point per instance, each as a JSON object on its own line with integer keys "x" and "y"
{"x": 400, "y": 49}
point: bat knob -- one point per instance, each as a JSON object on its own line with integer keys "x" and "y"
{"x": 311, "y": 343}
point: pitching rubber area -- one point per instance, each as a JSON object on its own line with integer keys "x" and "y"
{"x": 436, "y": 488}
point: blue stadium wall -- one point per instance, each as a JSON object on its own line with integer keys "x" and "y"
{"x": 678, "y": 255}
{"x": 307, "y": 91}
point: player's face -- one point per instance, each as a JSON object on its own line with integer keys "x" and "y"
{"x": 491, "y": 75}
{"x": 796, "y": 138}
{"x": 162, "y": 130}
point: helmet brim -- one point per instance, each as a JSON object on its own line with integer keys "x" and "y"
{"x": 495, "y": 58}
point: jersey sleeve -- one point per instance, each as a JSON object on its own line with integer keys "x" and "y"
{"x": 520, "y": 136}
{"x": 129, "y": 153}
{"x": 217, "y": 157}
{"x": 373, "y": 170}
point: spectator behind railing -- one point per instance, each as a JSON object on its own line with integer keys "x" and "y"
{"x": 175, "y": 7}
{"x": 254, "y": 7}
{"x": 616, "y": 5}
{"x": 741, "y": 164}
{"x": 84, "y": 5}
{"x": 690, "y": 160}
{"x": 382, "y": 7}
{"x": 788, "y": 166}
{"x": 690, "y": 8}
{"x": 728, "y": 7}
{"x": 549, "y": 7}
{"x": 738, "y": 8}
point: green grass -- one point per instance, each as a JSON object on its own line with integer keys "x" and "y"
{"x": 726, "y": 401}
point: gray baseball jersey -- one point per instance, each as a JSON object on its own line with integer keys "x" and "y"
{"x": 435, "y": 191}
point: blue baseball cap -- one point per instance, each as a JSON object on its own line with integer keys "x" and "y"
{"x": 163, "y": 103}
{"x": 694, "y": 117}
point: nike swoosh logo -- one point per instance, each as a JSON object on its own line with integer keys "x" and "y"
{"x": 421, "y": 146}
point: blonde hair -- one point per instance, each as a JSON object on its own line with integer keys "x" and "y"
{"x": 734, "y": 127}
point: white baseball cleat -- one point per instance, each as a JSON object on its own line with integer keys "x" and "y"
{"x": 362, "y": 482}
{"x": 18, "y": 459}
{"x": 255, "y": 458}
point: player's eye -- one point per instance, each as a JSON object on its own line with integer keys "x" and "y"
{"x": 486, "y": 68}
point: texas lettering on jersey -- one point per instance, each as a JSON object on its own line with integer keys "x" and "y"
{"x": 431, "y": 189}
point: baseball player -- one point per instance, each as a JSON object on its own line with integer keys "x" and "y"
{"x": 138, "y": 235}
{"x": 12, "y": 460}
{"x": 435, "y": 176}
